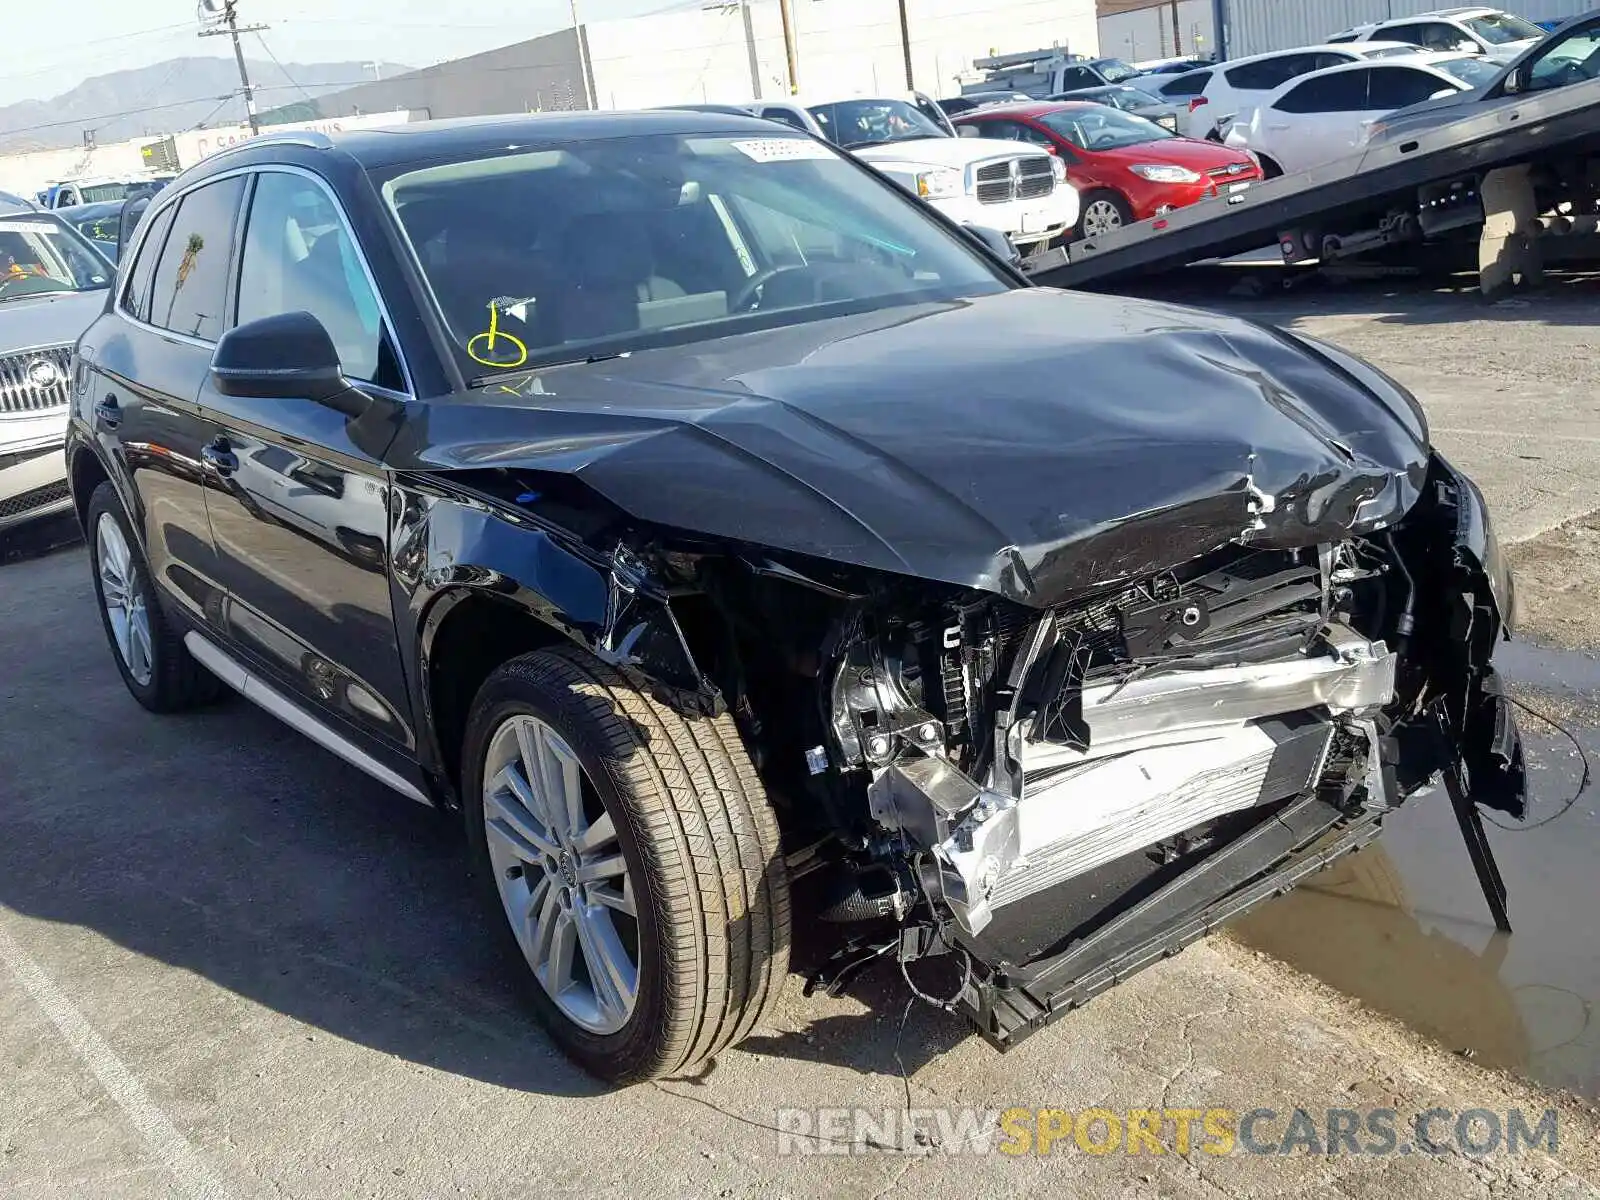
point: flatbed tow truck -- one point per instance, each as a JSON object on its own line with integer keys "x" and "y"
{"x": 1525, "y": 179}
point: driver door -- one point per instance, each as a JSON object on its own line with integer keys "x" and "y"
{"x": 299, "y": 512}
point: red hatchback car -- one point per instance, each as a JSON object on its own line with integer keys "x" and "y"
{"x": 1125, "y": 168}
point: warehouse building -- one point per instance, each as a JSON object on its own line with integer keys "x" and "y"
{"x": 728, "y": 53}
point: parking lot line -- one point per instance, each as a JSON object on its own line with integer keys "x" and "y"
{"x": 174, "y": 1150}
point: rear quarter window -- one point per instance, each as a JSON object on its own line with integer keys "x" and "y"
{"x": 1186, "y": 86}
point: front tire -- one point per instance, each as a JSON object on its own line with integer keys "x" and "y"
{"x": 148, "y": 648}
{"x": 632, "y": 864}
{"x": 1103, "y": 212}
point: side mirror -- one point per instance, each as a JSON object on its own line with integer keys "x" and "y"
{"x": 994, "y": 242}
{"x": 283, "y": 357}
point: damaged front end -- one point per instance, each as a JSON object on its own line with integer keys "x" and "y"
{"x": 1061, "y": 796}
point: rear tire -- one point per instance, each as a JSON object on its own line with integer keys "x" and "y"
{"x": 706, "y": 943}
{"x": 148, "y": 647}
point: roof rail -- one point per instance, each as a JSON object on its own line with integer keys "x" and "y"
{"x": 309, "y": 138}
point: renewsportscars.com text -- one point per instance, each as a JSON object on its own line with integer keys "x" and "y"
{"x": 1018, "y": 1132}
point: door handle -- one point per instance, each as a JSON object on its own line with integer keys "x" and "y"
{"x": 220, "y": 456}
{"x": 108, "y": 412}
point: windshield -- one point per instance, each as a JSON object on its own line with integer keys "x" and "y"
{"x": 538, "y": 256}
{"x": 1499, "y": 28}
{"x": 855, "y": 123}
{"x": 1101, "y": 128}
{"x": 40, "y": 254}
{"x": 1473, "y": 72}
{"x": 1114, "y": 70}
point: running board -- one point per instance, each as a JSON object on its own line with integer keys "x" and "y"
{"x": 253, "y": 689}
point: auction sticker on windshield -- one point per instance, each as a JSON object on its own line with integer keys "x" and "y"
{"x": 29, "y": 227}
{"x": 782, "y": 149}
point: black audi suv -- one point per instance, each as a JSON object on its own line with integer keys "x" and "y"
{"x": 730, "y": 539}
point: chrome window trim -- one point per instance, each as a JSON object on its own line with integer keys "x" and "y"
{"x": 344, "y": 220}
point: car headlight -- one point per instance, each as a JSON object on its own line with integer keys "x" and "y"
{"x": 1058, "y": 168}
{"x": 941, "y": 181}
{"x": 1164, "y": 173}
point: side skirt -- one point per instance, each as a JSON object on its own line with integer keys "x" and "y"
{"x": 253, "y": 689}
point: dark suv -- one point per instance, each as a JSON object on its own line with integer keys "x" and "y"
{"x": 726, "y": 535}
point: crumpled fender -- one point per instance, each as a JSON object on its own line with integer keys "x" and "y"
{"x": 450, "y": 546}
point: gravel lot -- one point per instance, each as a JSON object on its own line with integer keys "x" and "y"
{"x": 232, "y": 966}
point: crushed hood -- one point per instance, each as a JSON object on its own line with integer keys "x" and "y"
{"x": 1033, "y": 443}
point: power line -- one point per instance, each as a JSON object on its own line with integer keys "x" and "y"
{"x": 292, "y": 80}
{"x": 76, "y": 62}
{"x": 108, "y": 117}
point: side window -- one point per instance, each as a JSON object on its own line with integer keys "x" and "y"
{"x": 1266, "y": 75}
{"x": 1186, "y": 86}
{"x": 785, "y": 117}
{"x": 1396, "y": 87}
{"x": 1329, "y": 58}
{"x": 298, "y": 256}
{"x": 1344, "y": 92}
{"x": 1572, "y": 60}
{"x": 191, "y": 284}
{"x": 1027, "y": 133}
{"x": 1432, "y": 35}
{"x": 1015, "y": 131}
{"x": 136, "y": 296}
{"x": 1078, "y": 77}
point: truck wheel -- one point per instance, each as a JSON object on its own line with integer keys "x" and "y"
{"x": 1102, "y": 212}
{"x": 631, "y": 861}
{"x": 147, "y": 647}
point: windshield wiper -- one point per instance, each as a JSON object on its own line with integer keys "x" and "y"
{"x": 586, "y": 361}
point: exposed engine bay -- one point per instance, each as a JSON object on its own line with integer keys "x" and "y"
{"x": 954, "y": 765}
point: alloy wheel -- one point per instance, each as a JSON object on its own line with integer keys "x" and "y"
{"x": 124, "y": 600}
{"x": 565, "y": 885}
{"x": 1101, "y": 216}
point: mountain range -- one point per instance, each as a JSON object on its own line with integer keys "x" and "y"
{"x": 170, "y": 96}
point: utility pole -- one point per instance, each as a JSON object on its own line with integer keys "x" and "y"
{"x": 221, "y": 17}
{"x": 905, "y": 45}
{"x": 1177, "y": 37}
{"x": 750, "y": 49}
{"x": 583, "y": 55}
{"x": 788, "y": 45}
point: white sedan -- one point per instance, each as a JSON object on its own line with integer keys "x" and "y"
{"x": 1324, "y": 116}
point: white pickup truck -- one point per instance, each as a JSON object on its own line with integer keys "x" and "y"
{"x": 1013, "y": 187}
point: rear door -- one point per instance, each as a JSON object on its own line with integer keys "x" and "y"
{"x": 1313, "y": 121}
{"x": 299, "y": 512}
{"x": 1391, "y": 88}
{"x": 147, "y": 360}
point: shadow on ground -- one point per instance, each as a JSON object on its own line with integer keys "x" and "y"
{"x": 223, "y": 843}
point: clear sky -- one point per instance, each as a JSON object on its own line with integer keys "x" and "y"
{"x": 68, "y": 43}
